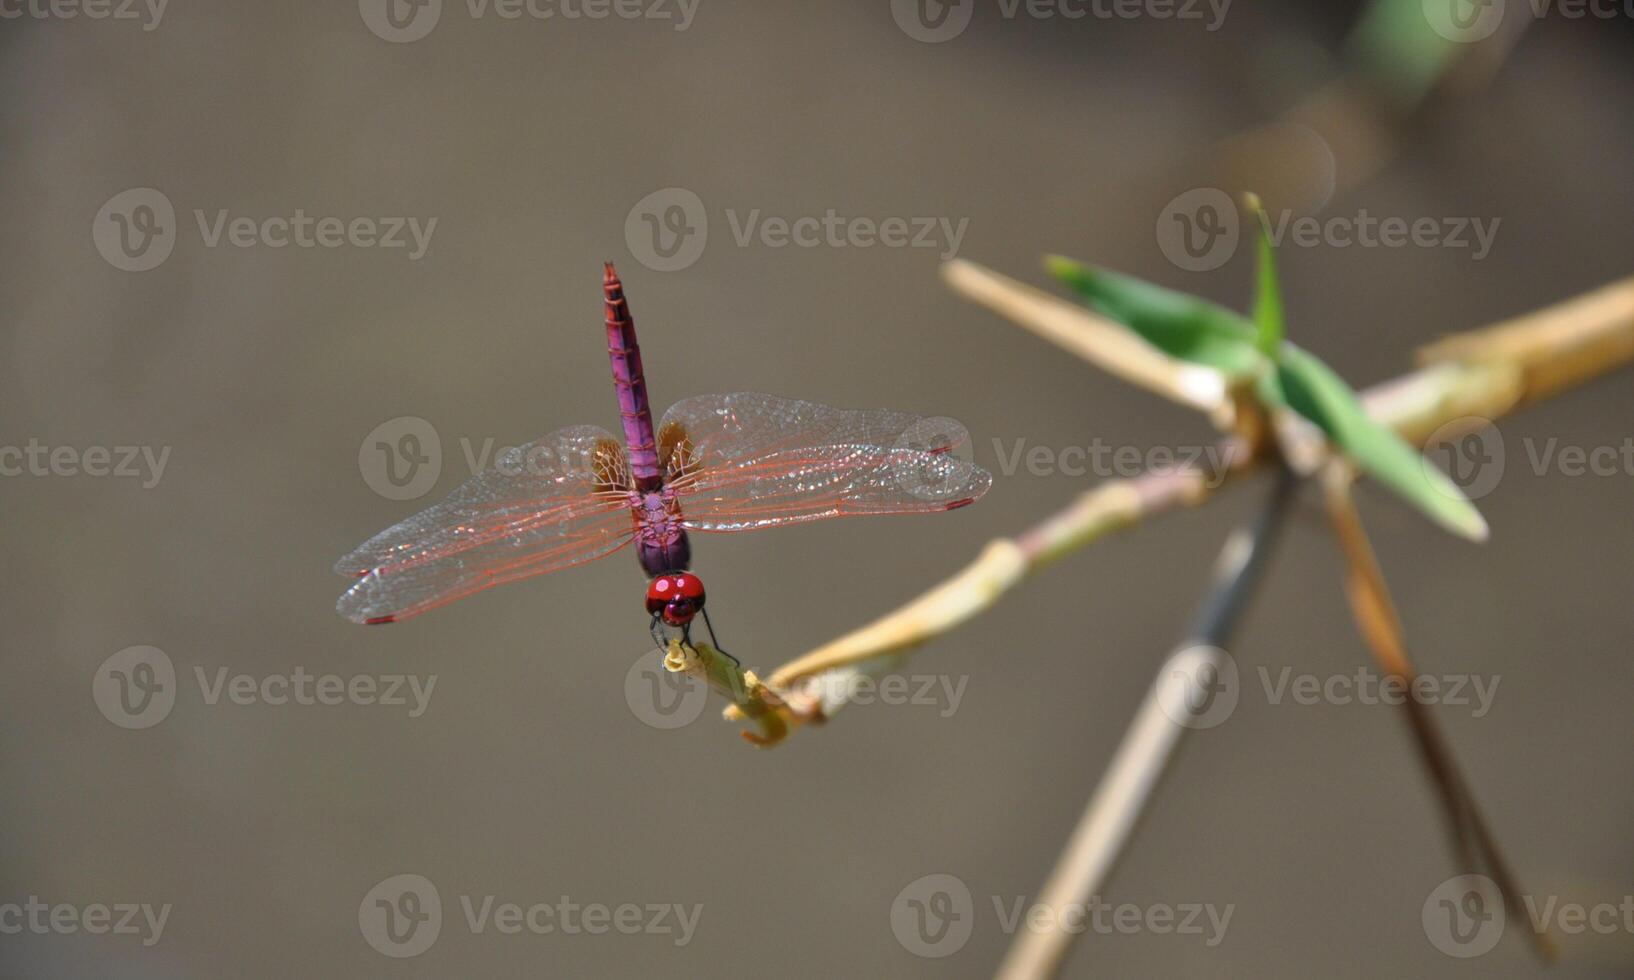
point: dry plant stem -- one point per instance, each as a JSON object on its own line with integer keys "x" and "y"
{"x": 1376, "y": 618}
{"x": 1147, "y": 748}
{"x": 1094, "y": 338}
{"x": 1484, "y": 374}
{"x": 1556, "y": 348}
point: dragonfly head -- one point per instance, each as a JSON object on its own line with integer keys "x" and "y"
{"x": 676, "y": 597}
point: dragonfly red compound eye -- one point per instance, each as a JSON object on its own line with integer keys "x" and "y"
{"x": 689, "y": 586}
{"x": 675, "y": 588}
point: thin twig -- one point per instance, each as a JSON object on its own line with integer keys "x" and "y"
{"x": 1147, "y": 748}
{"x": 1557, "y": 348}
{"x": 1376, "y": 619}
{"x": 1094, "y": 338}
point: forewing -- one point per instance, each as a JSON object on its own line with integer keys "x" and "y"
{"x": 749, "y": 460}
{"x": 748, "y": 424}
{"x": 553, "y": 503}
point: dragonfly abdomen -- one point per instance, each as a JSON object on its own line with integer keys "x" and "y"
{"x": 625, "y": 356}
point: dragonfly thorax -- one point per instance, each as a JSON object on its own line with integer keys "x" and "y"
{"x": 676, "y": 597}
{"x": 661, "y": 542}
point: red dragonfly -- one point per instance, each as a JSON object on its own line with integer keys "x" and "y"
{"x": 714, "y": 463}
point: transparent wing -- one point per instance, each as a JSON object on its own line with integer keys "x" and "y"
{"x": 749, "y": 460}
{"x": 551, "y": 504}
{"x": 748, "y": 424}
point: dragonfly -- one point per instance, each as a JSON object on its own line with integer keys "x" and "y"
{"x": 713, "y": 463}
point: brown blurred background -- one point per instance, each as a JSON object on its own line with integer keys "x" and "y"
{"x": 529, "y": 776}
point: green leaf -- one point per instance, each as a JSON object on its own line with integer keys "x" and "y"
{"x": 1181, "y": 326}
{"x": 1268, "y": 319}
{"x": 1307, "y": 386}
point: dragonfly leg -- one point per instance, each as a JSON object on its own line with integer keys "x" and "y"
{"x": 657, "y": 633}
{"x": 715, "y": 642}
